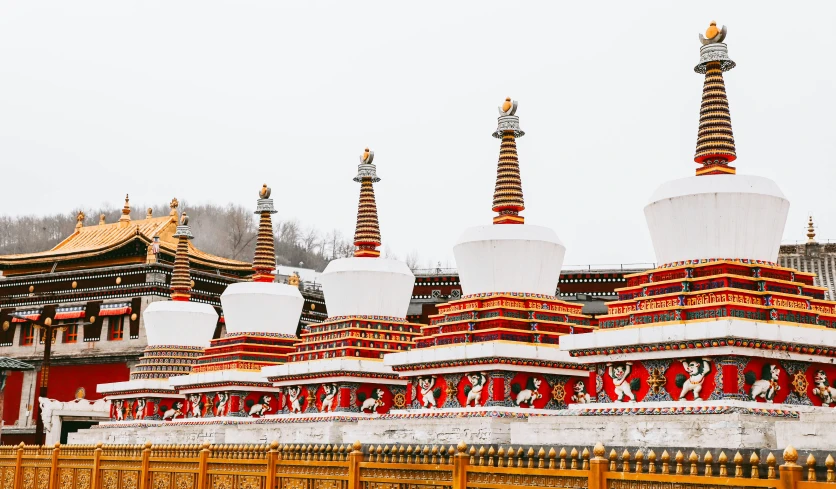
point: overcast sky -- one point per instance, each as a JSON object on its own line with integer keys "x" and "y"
{"x": 207, "y": 100}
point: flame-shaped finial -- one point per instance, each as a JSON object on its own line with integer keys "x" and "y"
{"x": 367, "y": 157}
{"x": 173, "y": 205}
{"x": 264, "y": 193}
{"x": 79, "y": 220}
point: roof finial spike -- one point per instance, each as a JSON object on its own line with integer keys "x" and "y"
{"x": 264, "y": 264}
{"x": 508, "y": 199}
{"x": 149, "y": 214}
{"x": 367, "y": 231}
{"x": 101, "y": 220}
{"x": 715, "y": 140}
{"x": 79, "y": 220}
{"x": 181, "y": 282}
{"x": 811, "y": 231}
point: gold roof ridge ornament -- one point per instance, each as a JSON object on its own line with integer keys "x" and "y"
{"x": 715, "y": 139}
{"x": 79, "y": 220}
{"x": 126, "y": 210}
{"x": 173, "y": 205}
{"x": 811, "y": 231}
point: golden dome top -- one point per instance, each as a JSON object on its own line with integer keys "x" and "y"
{"x": 264, "y": 193}
{"x": 506, "y": 106}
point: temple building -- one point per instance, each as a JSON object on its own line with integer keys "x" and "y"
{"x": 814, "y": 257}
{"x": 719, "y": 327}
{"x": 96, "y": 285}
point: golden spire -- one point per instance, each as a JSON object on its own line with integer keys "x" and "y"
{"x": 149, "y": 213}
{"x": 79, "y": 220}
{"x": 508, "y": 199}
{"x": 126, "y": 210}
{"x": 367, "y": 230}
{"x": 811, "y": 231}
{"x": 264, "y": 264}
{"x": 173, "y": 205}
{"x": 181, "y": 283}
{"x": 715, "y": 140}
{"x": 101, "y": 220}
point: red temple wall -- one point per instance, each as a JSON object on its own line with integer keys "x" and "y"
{"x": 11, "y": 397}
{"x": 65, "y": 380}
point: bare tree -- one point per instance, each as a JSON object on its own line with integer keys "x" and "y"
{"x": 412, "y": 259}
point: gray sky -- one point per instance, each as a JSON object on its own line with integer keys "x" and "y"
{"x": 206, "y": 100}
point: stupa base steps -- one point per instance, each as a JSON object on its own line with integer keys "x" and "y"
{"x": 730, "y": 427}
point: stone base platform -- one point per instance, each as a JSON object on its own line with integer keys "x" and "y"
{"x": 709, "y": 425}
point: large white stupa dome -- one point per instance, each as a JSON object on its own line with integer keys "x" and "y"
{"x": 180, "y": 323}
{"x": 509, "y": 258}
{"x": 262, "y": 307}
{"x": 717, "y": 216}
{"x": 367, "y": 287}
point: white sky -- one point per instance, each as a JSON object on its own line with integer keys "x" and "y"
{"x": 207, "y": 100}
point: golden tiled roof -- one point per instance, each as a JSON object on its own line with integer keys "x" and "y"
{"x": 89, "y": 241}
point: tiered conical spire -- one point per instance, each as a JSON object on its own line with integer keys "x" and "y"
{"x": 367, "y": 232}
{"x": 126, "y": 210}
{"x": 811, "y": 231}
{"x": 181, "y": 282}
{"x": 715, "y": 140}
{"x": 264, "y": 264}
{"x": 507, "y": 195}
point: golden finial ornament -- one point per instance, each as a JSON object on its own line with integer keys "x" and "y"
{"x": 598, "y": 450}
{"x": 184, "y": 219}
{"x": 367, "y": 157}
{"x": 508, "y": 107}
{"x": 126, "y": 210}
{"x": 173, "y": 205}
{"x": 790, "y": 455}
{"x": 101, "y": 219}
{"x": 264, "y": 193}
{"x": 811, "y": 231}
{"x": 713, "y": 35}
{"x": 294, "y": 279}
{"x": 149, "y": 214}
{"x": 79, "y": 220}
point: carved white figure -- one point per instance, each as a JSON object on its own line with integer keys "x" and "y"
{"x": 329, "y": 397}
{"x": 194, "y": 405}
{"x": 429, "y": 393}
{"x": 140, "y": 409}
{"x": 221, "y": 405}
{"x": 374, "y": 401}
{"x": 474, "y": 391}
{"x": 697, "y": 371}
{"x": 294, "y": 398}
{"x": 619, "y": 374}
{"x": 261, "y": 407}
{"x": 767, "y": 386}
{"x": 822, "y": 388}
{"x": 581, "y": 396}
{"x": 529, "y": 394}
{"x": 175, "y": 411}
{"x": 119, "y": 408}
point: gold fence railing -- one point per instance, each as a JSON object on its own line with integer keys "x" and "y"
{"x": 396, "y": 467}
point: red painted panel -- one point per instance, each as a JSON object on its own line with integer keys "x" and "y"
{"x": 12, "y": 396}
{"x": 730, "y": 380}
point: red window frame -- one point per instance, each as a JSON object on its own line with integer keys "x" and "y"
{"x": 116, "y": 328}
{"x": 71, "y": 333}
{"x": 27, "y": 334}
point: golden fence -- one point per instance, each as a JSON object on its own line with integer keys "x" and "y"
{"x": 397, "y": 467}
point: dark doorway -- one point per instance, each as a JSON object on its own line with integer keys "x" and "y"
{"x": 68, "y": 427}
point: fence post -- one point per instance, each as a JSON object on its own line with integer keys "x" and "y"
{"x": 97, "y": 462}
{"x": 53, "y": 469}
{"x": 272, "y": 458}
{"x": 598, "y": 468}
{"x": 354, "y": 459}
{"x": 460, "y": 463}
{"x": 19, "y": 467}
{"x": 144, "y": 474}
{"x": 790, "y": 470}
{"x": 203, "y": 465}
